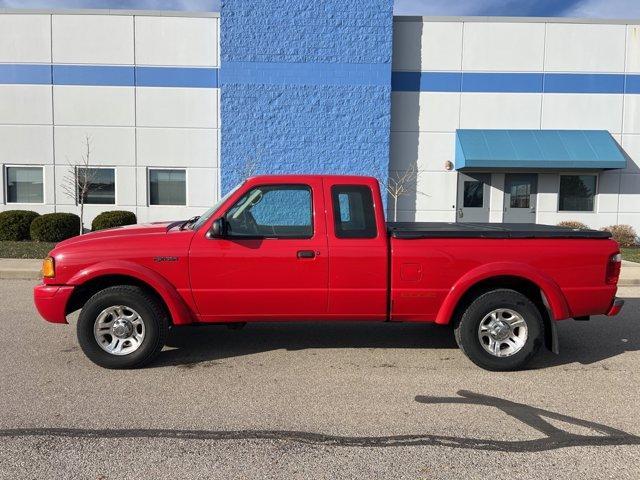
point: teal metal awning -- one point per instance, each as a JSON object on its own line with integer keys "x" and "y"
{"x": 538, "y": 149}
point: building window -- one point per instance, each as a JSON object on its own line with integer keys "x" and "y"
{"x": 577, "y": 193}
{"x": 25, "y": 185}
{"x": 167, "y": 187}
{"x": 473, "y": 194}
{"x": 100, "y": 185}
{"x": 353, "y": 214}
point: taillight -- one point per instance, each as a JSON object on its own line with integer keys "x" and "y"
{"x": 613, "y": 269}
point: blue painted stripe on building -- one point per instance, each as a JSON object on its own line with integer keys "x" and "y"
{"x": 632, "y": 84}
{"x": 177, "y": 77}
{"x": 25, "y": 74}
{"x": 426, "y": 81}
{"x": 318, "y": 74}
{"x": 502, "y": 82}
{"x": 94, "y": 75}
{"x": 108, "y": 75}
{"x": 283, "y": 73}
{"x": 583, "y": 83}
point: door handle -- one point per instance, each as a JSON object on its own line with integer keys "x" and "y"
{"x": 306, "y": 254}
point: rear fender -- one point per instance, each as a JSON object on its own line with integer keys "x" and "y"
{"x": 180, "y": 313}
{"x": 550, "y": 289}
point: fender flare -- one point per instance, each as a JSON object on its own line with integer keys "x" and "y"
{"x": 179, "y": 311}
{"x": 557, "y": 303}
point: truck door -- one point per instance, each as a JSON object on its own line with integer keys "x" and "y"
{"x": 272, "y": 261}
{"x": 358, "y": 250}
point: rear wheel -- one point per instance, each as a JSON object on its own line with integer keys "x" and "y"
{"x": 122, "y": 327}
{"x": 500, "y": 330}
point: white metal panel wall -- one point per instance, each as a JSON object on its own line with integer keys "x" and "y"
{"x": 503, "y": 47}
{"x": 26, "y": 144}
{"x": 176, "y": 41}
{"x": 94, "y": 105}
{"x": 25, "y": 38}
{"x": 108, "y": 145}
{"x": 585, "y": 48}
{"x": 423, "y": 123}
{"x": 130, "y": 129}
{"x": 25, "y": 105}
{"x": 93, "y": 39}
{"x": 176, "y": 107}
{"x": 178, "y": 127}
{"x": 437, "y": 47}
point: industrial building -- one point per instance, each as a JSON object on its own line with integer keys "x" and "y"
{"x": 501, "y": 119}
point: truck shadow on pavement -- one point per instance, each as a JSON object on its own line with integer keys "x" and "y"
{"x": 585, "y": 343}
{"x": 552, "y": 436}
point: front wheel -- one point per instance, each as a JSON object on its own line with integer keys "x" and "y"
{"x": 500, "y": 330}
{"x": 122, "y": 327}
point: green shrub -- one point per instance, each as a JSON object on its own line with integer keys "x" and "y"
{"x": 113, "y": 219}
{"x": 55, "y": 227}
{"x": 573, "y": 224}
{"x": 15, "y": 224}
{"x": 625, "y": 235}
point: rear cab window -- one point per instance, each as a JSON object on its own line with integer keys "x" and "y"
{"x": 353, "y": 211}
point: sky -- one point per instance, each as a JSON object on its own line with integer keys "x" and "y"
{"x": 542, "y": 8}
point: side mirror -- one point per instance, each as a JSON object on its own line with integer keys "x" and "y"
{"x": 218, "y": 228}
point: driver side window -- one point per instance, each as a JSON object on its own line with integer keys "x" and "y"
{"x": 272, "y": 211}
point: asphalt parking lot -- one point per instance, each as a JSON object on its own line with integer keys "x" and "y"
{"x": 317, "y": 401}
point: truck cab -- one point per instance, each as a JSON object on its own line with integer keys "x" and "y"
{"x": 312, "y": 247}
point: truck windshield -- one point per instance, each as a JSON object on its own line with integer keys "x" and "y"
{"x": 209, "y": 213}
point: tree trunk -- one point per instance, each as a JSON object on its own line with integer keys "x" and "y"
{"x": 81, "y": 218}
{"x": 395, "y": 209}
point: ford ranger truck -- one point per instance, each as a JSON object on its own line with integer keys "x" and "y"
{"x": 307, "y": 247}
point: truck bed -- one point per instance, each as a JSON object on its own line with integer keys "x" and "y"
{"x": 414, "y": 230}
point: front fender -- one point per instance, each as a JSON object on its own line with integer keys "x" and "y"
{"x": 554, "y": 296}
{"x": 180, "y": 312}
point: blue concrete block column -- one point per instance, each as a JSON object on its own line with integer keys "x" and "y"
{"x": 305, "y": 87}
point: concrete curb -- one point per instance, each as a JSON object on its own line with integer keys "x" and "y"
{"x": 630, "y": 274}
{"x": 23, "y": 269}
{"x": 20, "y": 269}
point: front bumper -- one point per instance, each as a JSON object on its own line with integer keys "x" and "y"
{"x": 51, "y": 301}
{"x": 615, "y": 308}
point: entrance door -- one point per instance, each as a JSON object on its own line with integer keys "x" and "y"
{"x": 520, "y": 197}
{"x": 473, "y": 197}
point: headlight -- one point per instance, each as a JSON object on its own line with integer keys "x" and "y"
{"x": 48, "y": 268}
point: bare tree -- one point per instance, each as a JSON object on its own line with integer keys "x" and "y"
{"x": 252, "y": 164}
{"x": 79, "y": 178}
{"x": 401, "y": 183}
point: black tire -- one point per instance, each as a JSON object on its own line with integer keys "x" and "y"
{"x": 466, "y": 330}
{"x": 156, "y": 325}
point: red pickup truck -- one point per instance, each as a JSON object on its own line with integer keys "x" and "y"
{"x": 317, "y": 248}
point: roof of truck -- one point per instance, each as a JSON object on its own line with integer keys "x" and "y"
{"x": 354, "y": 178}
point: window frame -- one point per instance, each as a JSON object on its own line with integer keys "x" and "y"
{"x": 115, "y": 184}
{"x": 595, "y": 193}
{"x": 186, "y": 186}
{"x": 336, "y": 214}
{"x": 6, "y": 183}
{"x": 263, "y": 237}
